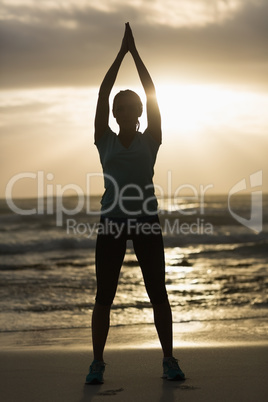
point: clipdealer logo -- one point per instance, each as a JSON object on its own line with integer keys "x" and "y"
{"x": 46, "y": 191}
{"x": 50, "y": 197}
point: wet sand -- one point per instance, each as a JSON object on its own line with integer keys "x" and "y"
{"x": 57, "y": 373}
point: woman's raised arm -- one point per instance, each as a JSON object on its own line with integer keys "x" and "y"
{"x": 102, "y": 111}
{"x": 153, "y": 113}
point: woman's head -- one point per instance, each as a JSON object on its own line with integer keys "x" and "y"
{"x": 127, "y": 108}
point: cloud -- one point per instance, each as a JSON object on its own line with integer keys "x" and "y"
{"x": 73, "y": 43}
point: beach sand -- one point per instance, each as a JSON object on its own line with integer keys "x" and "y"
{"x": 56, "y": 373}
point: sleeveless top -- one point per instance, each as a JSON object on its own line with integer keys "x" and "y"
{"x": 128, "y": 175}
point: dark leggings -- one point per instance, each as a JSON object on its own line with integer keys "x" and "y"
{"x": 145, "y": 233}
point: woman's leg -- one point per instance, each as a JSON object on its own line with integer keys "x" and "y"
{"x": 100, "y": 329}
{"x": 163, "y": 324}
{"x": 110, "y": 253}
{"x": 149, "y": 250}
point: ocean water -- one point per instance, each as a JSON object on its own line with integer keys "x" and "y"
{"x": 216, "y": 267}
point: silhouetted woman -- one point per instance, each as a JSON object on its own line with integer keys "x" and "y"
{"x": 129, "y": 208}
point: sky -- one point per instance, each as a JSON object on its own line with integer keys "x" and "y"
{"x": 209, "y": 63}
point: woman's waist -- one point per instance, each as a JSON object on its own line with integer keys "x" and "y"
{"x": 130, "y": 219}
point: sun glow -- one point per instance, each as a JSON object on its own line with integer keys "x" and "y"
{"x": 192, "y": 110}
{"x": 179, "y": 108}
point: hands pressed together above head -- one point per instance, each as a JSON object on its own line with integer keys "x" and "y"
{"x": 128, "y": 43}
{"x": 102, "y": 111}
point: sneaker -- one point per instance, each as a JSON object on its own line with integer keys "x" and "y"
{"x": 171, "y": 370}
{"x": 96, "y": 370}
